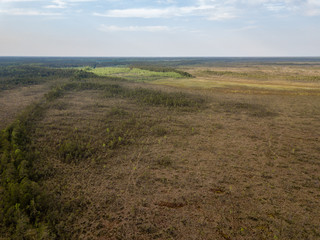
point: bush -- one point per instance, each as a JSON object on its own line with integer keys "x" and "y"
{"x": 157, "y": 68}
{"x": 153, "y": 97}
{"x": 72, "y": 151}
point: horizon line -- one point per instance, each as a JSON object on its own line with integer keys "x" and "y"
{"x": 39, "y": 56}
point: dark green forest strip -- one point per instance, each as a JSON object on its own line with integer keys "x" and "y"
{"x": 23, "y": 206}
{"x": 16, "y": 76}
{"x": 156, "y": 68}
{"x": 168, "y": 61}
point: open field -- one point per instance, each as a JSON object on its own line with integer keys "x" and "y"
{"x": 299, "y": 79}
{"x": 134, "y": 74}
{"x": 14, "y": 101}
{"x": 302, "y": 80}
{"x": 232, "y": 153}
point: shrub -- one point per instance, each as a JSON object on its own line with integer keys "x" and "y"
{"x": 159, "y": 131}
{"x": 165, "y": 161}
{"x": 157, "y": 68}
{"x": 73, "y": 149}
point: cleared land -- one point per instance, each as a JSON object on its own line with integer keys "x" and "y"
{"x": 229, "y": 155}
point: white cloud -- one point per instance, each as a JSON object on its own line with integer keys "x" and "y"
{"x": 218, "y": 10}
{"x": 27, "y": 12}
{"x": 112, "y": 28}
{"x": 275, "y": 7}
{"x": 65, "y": 3}
{"x": 57, "y": 4}
{"x": 304, "y": 7}
{"x": 313, "y": 8}
{"x": 245, "y": 28}
{"x": 78, "y": 1}
{"x": 166, "y": 1}
{"x": 15, "y": 9}
{"x": 312, "y": 12}
{"x": 139, "y": 13}
{"x": 207, "y": 9}
{"x": 11, "y": 1}
{"x": 210, "y": 12}
{"x": 297, "y": 7}
{"x": 314, "y": 2}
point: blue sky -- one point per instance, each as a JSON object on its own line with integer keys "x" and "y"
{"x": 159, "y": 28}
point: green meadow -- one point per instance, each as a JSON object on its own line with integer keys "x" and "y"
{"x": 133, "y": 74}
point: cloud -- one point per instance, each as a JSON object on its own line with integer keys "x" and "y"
{"x": 213, "y": 10}
{"x": 245, "y": 28}
{"x": 26, "y": 12}
{"x": 297, "y": 7}
{"x": 139, "y": 13}
{"x": 312, "y": 8}
{"x": 11, "y": 1}
{"x": 57, "y": 4}
{"x": 65, "y": 3}
{"x": 79, "y": 1}
{"x": 210, "y": 12}
{"x": 112, "y": 28}
{"x": 38, "y": 7}
{"x": 274, "y": 7}
{"x": 313, "y": 12}
{"x": 71, "y": 1}
{"x": 166, "y": 1}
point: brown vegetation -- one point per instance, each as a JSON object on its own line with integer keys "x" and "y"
{"x": 234, "y": 166}
{"x": 245, "y": 168}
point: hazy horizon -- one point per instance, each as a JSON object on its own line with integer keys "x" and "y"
{"x": 167, "y": 57}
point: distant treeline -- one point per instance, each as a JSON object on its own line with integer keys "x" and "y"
{"x": 157, "y": 68}
{"x": 259, "y": 75}
{"x": 33, "y": 71}
{"x": 14, "y": 76}
{"x": 61, "y": 62}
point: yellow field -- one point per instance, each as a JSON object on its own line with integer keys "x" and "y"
{"x": 297, "y": 82}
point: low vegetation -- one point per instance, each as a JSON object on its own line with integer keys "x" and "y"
{"x": 135, "y": 74}
{"x": 106, "y": 156}
{"x": 159, "y": 68}
{"x": 17, "y": 76}
{"x": 142, "y": 95}
{"x": 153, "y": 97}
{"x": 24, "y": 206}
{"x": 260, "y": 75}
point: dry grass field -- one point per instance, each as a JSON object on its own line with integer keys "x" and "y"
{"x": 242, "y": 164}
{"x": 13, "y": 101}
{"x": 258, "y": 78}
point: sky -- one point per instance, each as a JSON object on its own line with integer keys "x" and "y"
{"x": 160, "y": 28}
